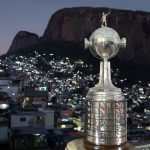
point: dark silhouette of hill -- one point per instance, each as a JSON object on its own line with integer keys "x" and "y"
{"x": 68, "y": 27}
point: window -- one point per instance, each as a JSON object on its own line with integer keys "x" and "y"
{"x": 23, "y": 119}
{"x": 39, "y": 118}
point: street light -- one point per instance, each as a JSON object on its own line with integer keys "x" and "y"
{"x": 4, "y": 106}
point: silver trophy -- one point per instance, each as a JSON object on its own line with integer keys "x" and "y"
{"x": 105, "y": 122}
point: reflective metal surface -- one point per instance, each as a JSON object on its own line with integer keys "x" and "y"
{"x": 106, "y": 121}
{"x": 105, "y": 105}
{"x": 104, "y": 43}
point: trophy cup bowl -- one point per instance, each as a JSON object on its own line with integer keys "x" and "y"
{"x": 104, "y": 43}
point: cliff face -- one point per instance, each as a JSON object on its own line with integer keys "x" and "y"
{"x": 71, "y": 25}
{"x": 23, "y": 39}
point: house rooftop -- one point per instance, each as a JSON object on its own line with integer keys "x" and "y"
{"x": 29, "y": 130}
{"x": 35, "y": 113}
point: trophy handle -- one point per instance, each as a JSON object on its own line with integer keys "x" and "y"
{"x": 87, "y": 43}
{"x": 123, "y": 43}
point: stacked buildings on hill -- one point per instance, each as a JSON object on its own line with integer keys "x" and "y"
{"x": 42, "y": 99}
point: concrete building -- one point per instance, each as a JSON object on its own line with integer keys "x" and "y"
{"x": 10, "y": 87}
{"x": 34, "y": 97}
{"x": 4, "y": 130}
{"x": 44, "y": 119}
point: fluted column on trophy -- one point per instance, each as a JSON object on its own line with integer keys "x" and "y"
{"x": 105, "y": 122}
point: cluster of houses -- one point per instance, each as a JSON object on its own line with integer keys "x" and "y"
{"x": 43, "y": 105}
{"x": 23, "y": 115}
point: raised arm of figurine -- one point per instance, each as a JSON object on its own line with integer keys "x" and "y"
{"x": 108, "y": 13}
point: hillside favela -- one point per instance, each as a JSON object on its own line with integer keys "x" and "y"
{"x": 44, "y": 82}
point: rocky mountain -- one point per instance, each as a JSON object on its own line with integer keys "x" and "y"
{"x": 69, "y": 26}
{"x": 24, "y": 39}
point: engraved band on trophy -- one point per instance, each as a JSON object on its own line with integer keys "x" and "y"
{"x": 105, "y": 122}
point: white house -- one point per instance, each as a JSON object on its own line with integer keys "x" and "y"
{"x": 44, "y": 119}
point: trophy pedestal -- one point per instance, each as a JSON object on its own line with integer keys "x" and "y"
{"x": 90, "y": 146}
{"x": 81, "y": 144}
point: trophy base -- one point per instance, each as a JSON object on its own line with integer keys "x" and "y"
{"x": 91, "y": 146}
{"x": 81, "y": 144}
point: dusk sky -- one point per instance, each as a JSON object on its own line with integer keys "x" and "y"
{"x": 33, "y": 15}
